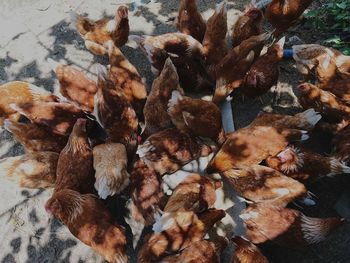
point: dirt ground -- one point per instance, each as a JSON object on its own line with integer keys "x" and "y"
{"x": 33, "y": 30}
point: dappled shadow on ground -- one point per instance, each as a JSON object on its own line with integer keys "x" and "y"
{"x": 65, "y": 38}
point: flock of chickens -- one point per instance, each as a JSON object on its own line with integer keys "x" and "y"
{"x": 109, "y": 137}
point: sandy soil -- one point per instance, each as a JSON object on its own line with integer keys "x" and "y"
{"x": 32, "y": 31}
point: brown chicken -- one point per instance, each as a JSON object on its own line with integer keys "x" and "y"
{"x": 190, "y": 20}
{"x": 155, "y": 110}
{"x": 167, "y": 151}
{"x": 60, "y": 117}
{"x": 31, "y": 170}
{"x": 302, "y": 165}
{"x": 75, "y": 85}
{"x": 89, "y": 220}
{"x": 35, "y": 138}
{"x": 214, "y": 43}
{"x": 339, "y": 85}
{"x": 185, "y": 52}
{"x": 331, "y": 68}
{"x": 305, "y": 120}
{"x": 97, "y": 33}
{"x": 252, "y": 145}
{"x": 75, "y": 169}
{"x": 19, "y": 92}
{"x": 125, "y": 76}
{"x": 232, "y": 68}
{"x": 195, "y": 193}
{"x": 249, "y": 24}
{"x": 146, "y": 192}
{"x": 262, "y": 184}
{"x": 246, "y": 252}
{"x": 341, "y": 143}
{"x": 197, "y": 117}
{"x": 282, "y": 14}
{"x": 264, "y": 72}
{"x": 287, "y": 227}
{"x": 114, "y": 113}
{"x": 321, "y": 61}
{"x": 177, "y": 44}
{"x": 110, "y": 164}
{"x": 331, "y": 108}
{"x": 203, "y": 251}
{"x": 177, "y": 231}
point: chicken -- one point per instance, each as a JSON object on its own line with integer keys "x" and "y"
{"x": 341, "y": 143}
{"x": 282, "y": 14}
{"x": 97, "y": 33}
{"x": 190, "y": 21}
{"x": 319, "y": 60}
{"x": 287, "y": 227}
{"x": 58, "y": 116}
{"x": 146, "y": 192}
{"x": 177, "y": 44}
{"x": 331, "y": 108}
{"x": 125, "y": 76}
{"x": 339, "y": 85}
{"x": 19, "y": 92}
{"x": 305, "y": 120}
{"x": 264, "y": 72}
{"x": 114, "y": 113}
{"x": 35, "y": 138}
{"x": 214, "y": 42}
{"x": 89, "y": 220}
{"x": 155, "y": 110}
{"x": 302, "y": 165}
{"x": 262, "y": 184}
{"x": 203, "y": 251}
{"x": 196, "y": 117}
{"x": 232, "y": 68}
{"x": 331, "y": 68}
{"x": 249, "y": 24}
{"x": 31, "y": 170}
{"x": 185, "y": 52}
{"x": 195, "y": 193}
{"x": 75, "y": 85}
{"x": 177, "y": 231}
{"x": 246, "y": 252}
{"x": 110, "y": 164}
{"x": 169, "y": 150}
{"x": 250, "y": 146}
{"x": 75, "y": 169}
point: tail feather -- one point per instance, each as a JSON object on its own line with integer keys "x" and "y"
{"x": 139, "y": 40}
{"x": 101, "y": 72}
{"x": 221, "y": 7}
{"x": 316, "y": 230}
{"x": 108, "y": 183}
{"x": 309, "y": 117}
{"x": 82, "y": 24}
{"x": 338, "y": 167}
{"x": 176, "y": 97}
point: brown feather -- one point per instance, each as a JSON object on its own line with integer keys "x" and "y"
{"x": 75, "y": 165}
{"x": 190, "y": 21}
{"x": 88, "y": 219}
{"x": 167, "y": 151}
{"x": 31, "y": 170}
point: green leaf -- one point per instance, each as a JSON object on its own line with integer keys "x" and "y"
{"x": 341, "y": 5}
